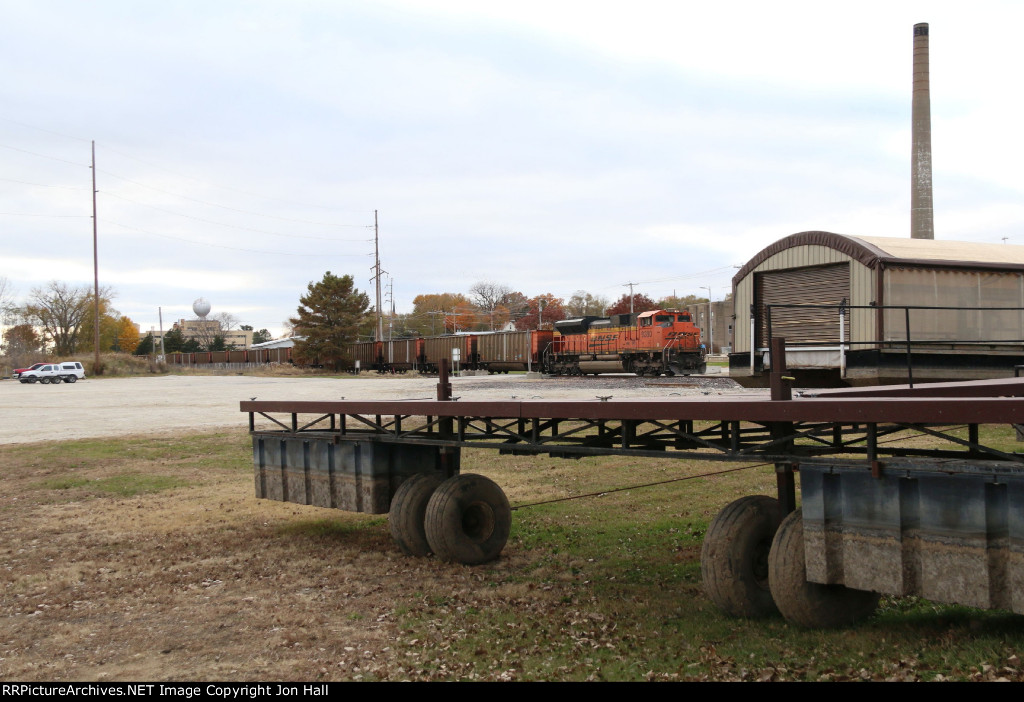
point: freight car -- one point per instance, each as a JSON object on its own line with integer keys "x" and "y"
{"x": 501, "y": 352}
{"x": 650, "y": 343}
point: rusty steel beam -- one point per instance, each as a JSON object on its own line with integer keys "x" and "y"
{"x": 997, "y": 387}
{"x": 911, "y": 410}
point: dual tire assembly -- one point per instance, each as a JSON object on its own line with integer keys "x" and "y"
{"x": 752, "y": 560}
{"x": 752, "y": 563}
{"x": 464, "y": 519}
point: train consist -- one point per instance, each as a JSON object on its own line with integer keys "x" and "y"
{"x": 659, "y": 342}
{"x": 247, "y": 356}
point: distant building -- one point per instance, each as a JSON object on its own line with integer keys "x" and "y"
{"x": 205, "y": 330}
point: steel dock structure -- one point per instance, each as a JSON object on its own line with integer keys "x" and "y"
{"x": 879, "y": 513}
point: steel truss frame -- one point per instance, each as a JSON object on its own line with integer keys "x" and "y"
{"x": 575, "y": 430}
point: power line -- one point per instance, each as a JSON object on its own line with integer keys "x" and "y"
{"x": 232, "y": 209}
{"x": 40, "y": 129}
{"x": 29, "y": 214}
{"x": 232, "y": 226}
{"x": 52, "y": 158}
{"x": 319, "y": 254}
{"x": 226, "y": 187}
{"x": 43, "y": 185}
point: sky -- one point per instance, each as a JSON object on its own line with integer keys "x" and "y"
{"x": 244, "y": 147}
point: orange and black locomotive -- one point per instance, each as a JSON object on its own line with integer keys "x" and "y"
{"x": 650, "y": 343}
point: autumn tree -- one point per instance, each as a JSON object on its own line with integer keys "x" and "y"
{"x": 518, "y": 305}
{"x": 583, "y": 304}
{"x": 59, "y": 310}
{"x": 109, "y": 328}
{"x": 21, "y": 340}
{"x": 329, "y": 315}
{"x": 463, "y": 318}
{"x": 127, "y": 335}
{"x": 640, "y": 303}
{"x": 543, "y": 311}
{"x": 429, "y": 312}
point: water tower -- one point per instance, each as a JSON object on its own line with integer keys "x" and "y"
{"x": 201, "y": 307}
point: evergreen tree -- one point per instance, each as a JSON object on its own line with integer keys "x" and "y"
{"x": 173, "y": 341}
{"x": 329, "y": 315}
{"x": 145, "y": 347}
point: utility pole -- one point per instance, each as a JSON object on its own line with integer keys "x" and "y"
{"x": 95, "y": 267}
{"x": 160, "y": 311}
{"x": 376, "y": 277}
{"x": 711, "y": 322}
{"x": 391, "y": 316}
{"x": 630, "y": 286}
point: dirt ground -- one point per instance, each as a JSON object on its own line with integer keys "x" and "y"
{"x": 205, "y": 582}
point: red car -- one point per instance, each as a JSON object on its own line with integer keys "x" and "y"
{"x": 17, "y": 373}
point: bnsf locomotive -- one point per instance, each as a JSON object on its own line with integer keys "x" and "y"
{"x": 650, "y": 343}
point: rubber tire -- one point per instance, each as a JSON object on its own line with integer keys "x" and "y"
{"x": 810, "y": 605}
{"x": 468, "y": 520}
{"x": 70, "y": 378}
{"x": 408, "y": 511}
{"x": 44, "y": 381}
{"x": 734, "y": 557}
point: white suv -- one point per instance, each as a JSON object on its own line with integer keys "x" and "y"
{"x": 53, "y": 373}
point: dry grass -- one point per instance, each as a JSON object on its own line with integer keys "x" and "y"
{"x": 148, "y": 558}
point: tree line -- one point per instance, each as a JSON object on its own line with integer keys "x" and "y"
{"x": 60, "y": 319}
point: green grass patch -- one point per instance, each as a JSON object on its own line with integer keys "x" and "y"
{"x": 609, "y": 587}
{"x": 132, "y": 484}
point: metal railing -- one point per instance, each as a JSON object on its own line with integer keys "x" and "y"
{"x": 843, "y": 344}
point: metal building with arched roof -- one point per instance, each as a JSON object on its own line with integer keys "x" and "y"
{"x": 847, "y": 306}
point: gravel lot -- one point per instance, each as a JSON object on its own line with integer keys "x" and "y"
{"x": 173, "y": 403}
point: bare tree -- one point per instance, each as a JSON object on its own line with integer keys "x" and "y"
{"x": 583, "y": 304}
{"x": 208, "y": 330}
{"x": 487, "y": 296}
{"x": 8, "y": 310}
{"x": 59, "y": 309}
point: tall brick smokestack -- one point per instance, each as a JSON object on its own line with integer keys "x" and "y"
{"x": 921, "y": 222}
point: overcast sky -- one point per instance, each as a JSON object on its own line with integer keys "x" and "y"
{"x": 242, "y": 147}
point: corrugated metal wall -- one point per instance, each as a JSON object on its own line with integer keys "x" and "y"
{"x": 861, "y": 290}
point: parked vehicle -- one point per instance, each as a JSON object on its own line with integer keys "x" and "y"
{"x": 53, "y": 373}
{"x": 17, "y": 373}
